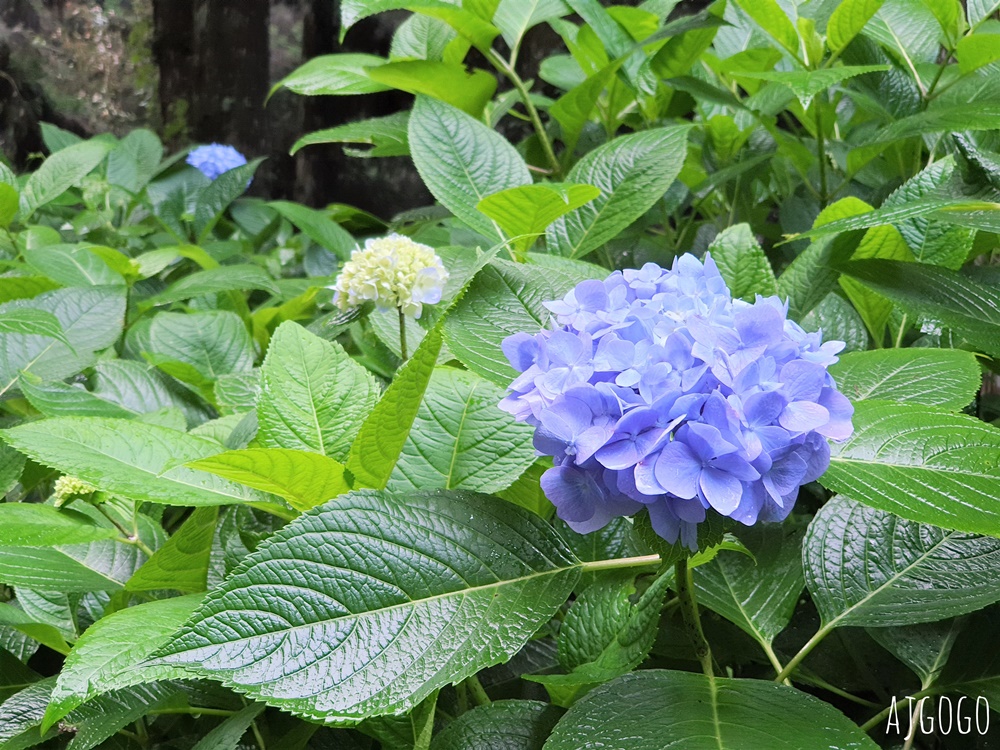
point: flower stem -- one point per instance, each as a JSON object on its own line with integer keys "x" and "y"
{"x": 820, "y": 634}
{"x": 623, "y": 562}
{"x": 684, "y": 582}
{"x": 477, "y": 691}
{"x": 402, "y": 333}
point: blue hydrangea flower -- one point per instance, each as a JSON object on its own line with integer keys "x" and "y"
{"x": 655, "y": 389}
{"x": 215, "y": 159}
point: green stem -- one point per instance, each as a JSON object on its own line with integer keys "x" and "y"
{"x": 500, "y": 64}
{"x": 257, "y": 735}
{"x": 127, "y": 537}
{"x": 821, "y": 153}
{"x": 773, "y": 658}
{"x": 402, "y": 333}
{"x": 192, "y": 711}
{"x": 684, "y": 583}
{"x": 881, "y": 715}
{"x": 476, "y": 690}
{"x": 902, "y": 330}
{"x": 820, "y": 634}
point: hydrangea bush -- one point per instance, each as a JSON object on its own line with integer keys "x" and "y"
{"x": 671, "y": 424}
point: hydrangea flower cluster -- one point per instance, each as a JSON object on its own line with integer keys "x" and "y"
{"x": 215, "y": 159}
{"x": 392, "y": 272}
{"x": 656, "y": 389}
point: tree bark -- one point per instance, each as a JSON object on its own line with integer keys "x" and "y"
{"x": 233, "y": 73}
{"x": 174, "y": 53}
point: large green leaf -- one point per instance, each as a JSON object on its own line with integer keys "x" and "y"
{"x": 847, "y": 21}
{"x": 771, "y": 17}
{"x": 759, "y": 593}
{"x": 35, "y": 525}
{"x": 43, "y": 632}
{"x": 924, "y": 648}
{"x": 879, "y": 242}
{"x": 215, "y": 199}
{"x": 501, "y": 725}
{"x": 211, "y": 343}
{"x": 227, "y": 735}
{"x": 102, "y": 659}
{"x": 341, "y": 74}
{"x": 663, "y": 709}
{"x": 367, "y": 605}
{"x": 632, "y": 172}
{"x": 937, "y": 295}
{"x": 461, "y": 440}
{"x": 316, "y": 225}
{"x": 304, "y": 478}
{"x": 182, "y": 563}
{"x": 742, "y": 263}
{"x": 973, "y": 664}
{"x": 462, "y": 161}
{"x": 867, "y": 567}
{"x": 922, "y": 464}
{"x": 214, "y": 280}
{"x": 524, "y": 212}
{"x": 948, "y": 378}
{"x": 60, "y": 172}
{"x": 91, "y": 318}
{"x": 72, "y": 265}
{"x": 140, "y": 461}
{"x": 386, "y": 135}
{"x": 314, "y": 396}
{"x": 805, "y": 84}
{"x": 381, "y": 438}
{"x": 450, "y": 83}
{"x": 515, "y": 17}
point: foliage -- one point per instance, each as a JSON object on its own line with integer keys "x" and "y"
{"x": 238, "y": 515}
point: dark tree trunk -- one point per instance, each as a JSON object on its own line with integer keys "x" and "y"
{"x": 174, "y": 53}
{"x": 314, "y": 178}
{"x": 234, "y": 73}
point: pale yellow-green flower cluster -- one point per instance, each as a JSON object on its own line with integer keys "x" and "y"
{"x": 391, "y": 271}
{"x": 67, "y": 487}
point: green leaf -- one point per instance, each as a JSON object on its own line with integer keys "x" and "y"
{"x": 181, "y": 564}
{"x": 227, "y": 735}
{"x": 574, "y": 108}
{"x": 770, "y": 16}
{"x": 605, "y": 634}
{"x": 976, "y": 50}
{"x": 305, "y": 479}
{"x": 972, "y": 669}
{"x": 524, "y": 212}
{"x": 867, "y": 567}
{"x": 383, "y": 435}
{"x": 937, "y": 295}
{"x": 412, "y": 731}
{"x": 317, "y": 226}
{"x": 501, "y": 725}
{"x": 47, "y": 635}
{"x": 947, "y": 378}
{"x": 35, "y": 525}
{"x": 72, "y": 265}
{"x": 420, "y": 589}
{"x": 462, "y": 161}
{"x": 104, "y": 656}
{"x": 338, "y": 75}
{"x": 135, "y": 160}
{"x": 922, "y": 464}
{"x": 847, "y": 21}
{"x": 924, "y": 648}
{"x": 214, "y": 280}
{"x": 213, "y": 342}
{"x": 879, "y": 242}
{"x": 461, "y": 440}
{"x": 742, "y": 263}
{"x": 9, "y": 203}
{"x": 448, "y": 82}
{"x": 91, "y": 318}
{"x": 426, "y": 38}
{"x": 386, "y": 135}
{"x": 59, "y": 172}
{"x": 838, "y": 321}
{"x": 696, "y": 712}
{"x": 215, "y": 199}
{"x": 314, "y": 396}
{"x": 103, "y": 565}
{"x": 759, "y": 593}
{"x": 632, "y": 173}
{"x": 139, "y": 461}
{"x": 515, "y": 17}
{"x": 11, "y": 466}
{"x": 32, "y": 323}
{"x": 805, "y": 84}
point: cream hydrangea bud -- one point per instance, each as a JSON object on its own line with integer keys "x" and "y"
{"x": 391, "y": 271}
{"x": 67, "y": 487}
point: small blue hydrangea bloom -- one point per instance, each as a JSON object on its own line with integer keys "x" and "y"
{"x": 215, "y": 159}
{"x": 655, "y": 389}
